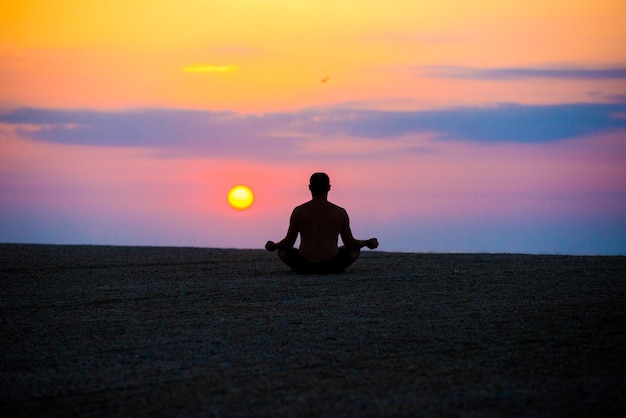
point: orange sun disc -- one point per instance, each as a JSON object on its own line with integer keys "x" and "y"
{"x": 240, "y": 197}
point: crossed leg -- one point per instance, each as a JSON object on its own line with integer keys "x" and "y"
{"x": 339, "y": 262}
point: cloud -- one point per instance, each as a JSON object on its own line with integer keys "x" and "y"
{"x": 171, "y": 131}
{"x": 524, "y": 73}
{"x": 502, "y": 123}
{"x": 205, "y": 68}
{"x": 293, "y": 135}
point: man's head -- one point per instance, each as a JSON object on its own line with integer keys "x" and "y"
{"x": 319, "y": 183}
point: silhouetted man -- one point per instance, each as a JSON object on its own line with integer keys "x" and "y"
{"x": 319, "y": 223}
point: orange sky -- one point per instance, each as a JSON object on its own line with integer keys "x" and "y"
{"x": 121, "y": 54}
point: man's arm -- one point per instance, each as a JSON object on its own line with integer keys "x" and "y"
{"x": 290, "y": 239}
{"x": 352, "y": 243}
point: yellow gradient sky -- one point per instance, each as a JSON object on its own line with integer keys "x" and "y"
{"x": 120, "y": 54}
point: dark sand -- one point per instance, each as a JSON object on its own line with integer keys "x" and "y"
{"x": 110, "y": 331}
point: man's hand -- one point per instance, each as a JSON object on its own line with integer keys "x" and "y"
{"x": 271, "y": 246}
{"x": 371, "y": 243}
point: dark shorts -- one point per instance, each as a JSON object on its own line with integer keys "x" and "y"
{"x": 335, "y": 265}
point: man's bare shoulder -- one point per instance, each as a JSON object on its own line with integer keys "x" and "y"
{"x": 313, "y": 206}
{"x": 337, "y": 207}
{"x": 302, "y": 207}
{"x": 313, "y": 203}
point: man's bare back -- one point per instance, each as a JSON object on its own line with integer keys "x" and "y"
{"x": 319, "y": 224}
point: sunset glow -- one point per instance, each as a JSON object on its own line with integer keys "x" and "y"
{"x": 444, "y": 126}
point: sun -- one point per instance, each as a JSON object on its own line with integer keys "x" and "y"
{"x": 240, "y": 197}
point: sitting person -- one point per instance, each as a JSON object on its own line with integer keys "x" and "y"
{"x": 319, "y": 223}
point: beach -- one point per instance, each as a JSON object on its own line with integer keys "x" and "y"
{"x": 154, "y": 331}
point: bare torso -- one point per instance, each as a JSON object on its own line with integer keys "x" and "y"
{"x": 319, "y": 223}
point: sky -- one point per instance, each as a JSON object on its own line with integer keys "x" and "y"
{"x": 445, "y": 126}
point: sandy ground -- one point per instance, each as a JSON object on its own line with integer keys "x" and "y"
{"x": 125, "y": 331}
